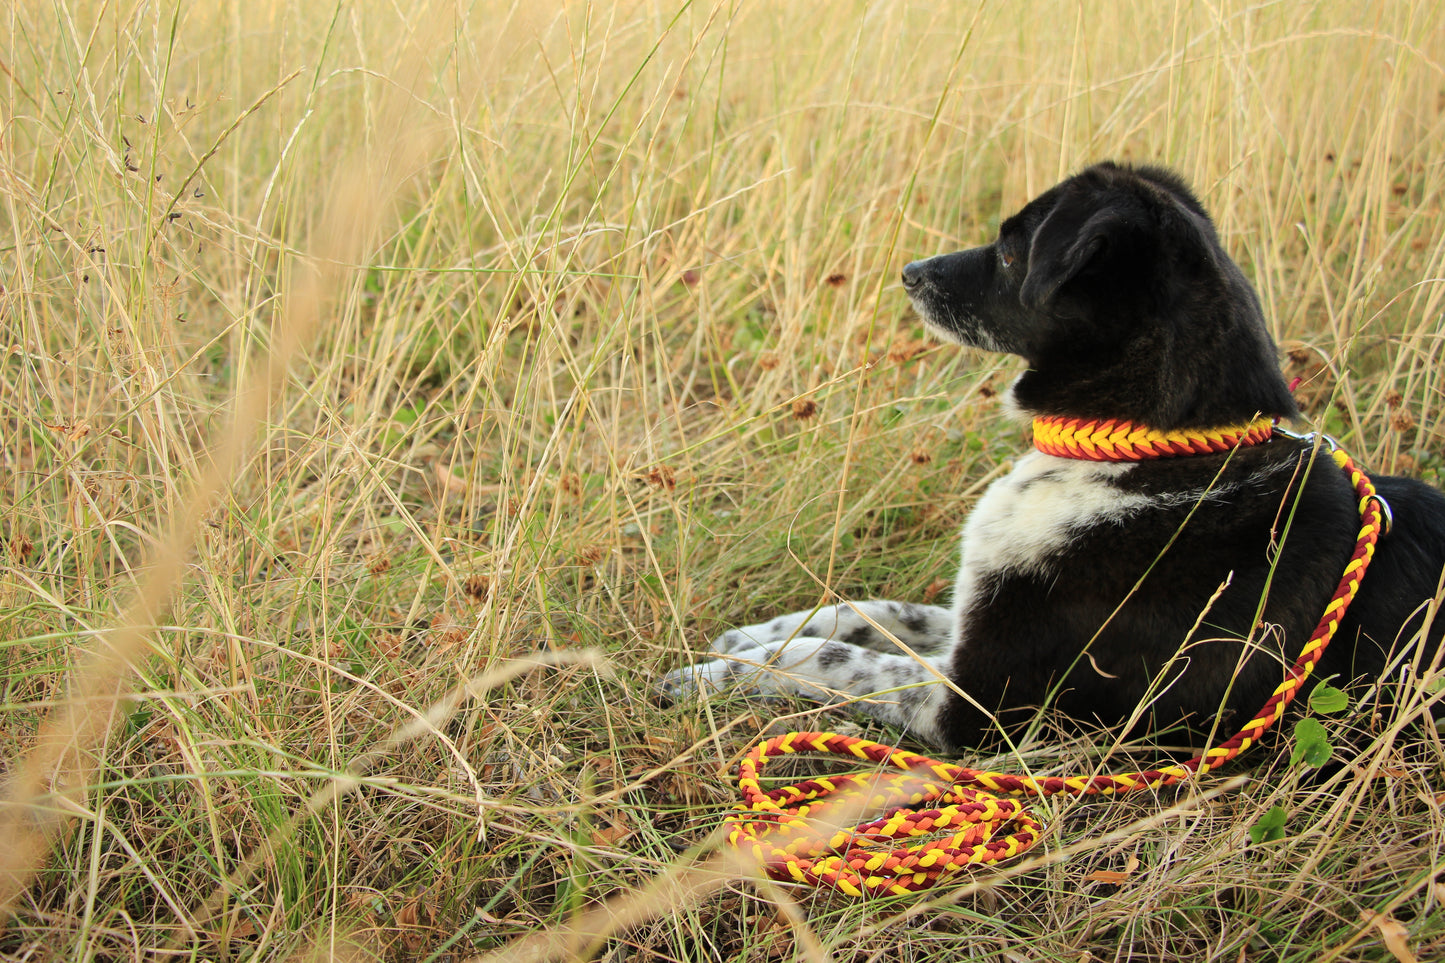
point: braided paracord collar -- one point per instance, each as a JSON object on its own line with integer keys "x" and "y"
{"x": 960, "y": 807}
{"x": 1113, "y": 440}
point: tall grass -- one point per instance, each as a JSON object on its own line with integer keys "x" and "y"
{"x": 354, "y": 353}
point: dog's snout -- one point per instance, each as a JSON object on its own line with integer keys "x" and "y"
{"x": 913, "y": 273}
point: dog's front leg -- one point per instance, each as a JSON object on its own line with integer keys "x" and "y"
{"x": 876, "y": 624}
{"x": 838, "y": 653}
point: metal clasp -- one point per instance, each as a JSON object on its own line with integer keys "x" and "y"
{"x": 1387, "y": 517}
{"x": 1309, "y": 438}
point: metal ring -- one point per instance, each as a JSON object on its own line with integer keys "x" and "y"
{"x": 1387, "y": 517}
{"x": 1309, "y": 438}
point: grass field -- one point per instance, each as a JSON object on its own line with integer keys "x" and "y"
{"x": 355, "y": 355}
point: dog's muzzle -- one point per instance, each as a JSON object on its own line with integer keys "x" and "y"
{"x": 915, "y": 274}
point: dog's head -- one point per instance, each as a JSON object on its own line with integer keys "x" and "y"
{"x": 1113, "y": 286}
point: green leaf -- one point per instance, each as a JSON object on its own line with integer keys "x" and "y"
{"x": 1268, "y": 827}
{"x": 1311, "y": 744}
{"x": 1327, "y": 699}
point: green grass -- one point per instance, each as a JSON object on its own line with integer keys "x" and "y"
{"x": 351, "y": 353}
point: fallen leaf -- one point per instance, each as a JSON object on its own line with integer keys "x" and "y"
{"x": 613, "y": 833}
{"x": 1396, "y": 937}
{"x": 1114, "y": 877}
{"x": 450, "y": 482}
{"x": 243, "y": 930}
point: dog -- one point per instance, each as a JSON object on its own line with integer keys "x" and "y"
{"x": 1164, "y": 595}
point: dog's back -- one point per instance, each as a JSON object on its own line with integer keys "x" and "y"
{"x": 1153, "y": 593}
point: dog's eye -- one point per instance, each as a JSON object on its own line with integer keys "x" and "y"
{"x": 1005, "y": 259}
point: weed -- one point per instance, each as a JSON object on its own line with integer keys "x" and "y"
{"x": 389, "y": 394}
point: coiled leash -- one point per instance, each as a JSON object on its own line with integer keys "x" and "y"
{"x": 961, "y": 809}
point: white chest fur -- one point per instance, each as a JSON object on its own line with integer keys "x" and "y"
{"x": 1032, "y": 513}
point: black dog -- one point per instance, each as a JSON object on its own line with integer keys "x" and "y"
{"x": 1147, "y": 593}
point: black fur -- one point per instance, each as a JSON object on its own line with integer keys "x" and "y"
{"x": 1115, "y": 289}
{"x": 1172, "y": 593}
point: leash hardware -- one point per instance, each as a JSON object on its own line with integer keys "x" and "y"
{"x": 1309, "y": 438}
{"x": 1328, "y": 442}
{"x": 884, "y": 856}
{"x": 1387, "y": 517}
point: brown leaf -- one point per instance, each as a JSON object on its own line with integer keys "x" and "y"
{"x": 1393, "y": 932}
{"x": 451, "y": 483}
{"x": 613, "y": 833}
{"x": 1114, "y": 877}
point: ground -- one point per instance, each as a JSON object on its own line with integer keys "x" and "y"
{"x": 357, "y": 358}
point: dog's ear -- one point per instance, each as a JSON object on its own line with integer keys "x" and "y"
{"x": 1062, "y": 246}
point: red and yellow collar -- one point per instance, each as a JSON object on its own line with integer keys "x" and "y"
{"x": 1117, "y": 440}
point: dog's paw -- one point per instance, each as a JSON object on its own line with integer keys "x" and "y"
{"x": 743, "y": 671}
{"x": 708, "y": 678}
{"x": 691, "y": 681}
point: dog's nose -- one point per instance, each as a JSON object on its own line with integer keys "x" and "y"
{"x": 912, "y": 274}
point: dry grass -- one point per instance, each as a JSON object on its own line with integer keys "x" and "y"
{"x": 352, "y": 353}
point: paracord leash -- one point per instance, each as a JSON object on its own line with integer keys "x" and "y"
{"x": 778, "y": 827}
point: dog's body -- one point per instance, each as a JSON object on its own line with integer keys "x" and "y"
{"x": 1153, "y": 593}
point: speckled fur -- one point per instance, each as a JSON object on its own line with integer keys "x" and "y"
{"x": 1161, "y": 595}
